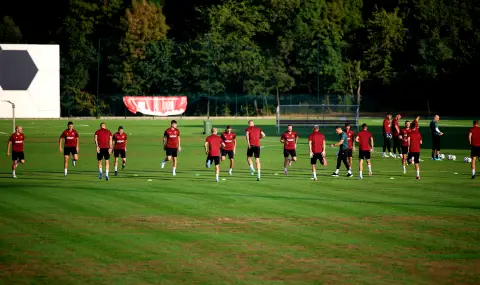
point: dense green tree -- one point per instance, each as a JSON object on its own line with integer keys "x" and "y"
{"x": 9, "y": 32}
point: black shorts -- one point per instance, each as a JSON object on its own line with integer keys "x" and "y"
{"x": 404, "y": 149}
{"x": 18, "y": 155}
{"x": 69, "y": 150}
{"x": 435, "y": 142}
{"x": 215, "y": 159}
{"x": 415, "y": 156}
{"x": 253, "y": 151}
{"x": 173, "y": 152}
{"x": 349, "y": 152}
{"x": 475, "y": 152}
{"x": 364, "y": 154}
{"x": 230, "y": 153}
{"x": 103, "y": 154}
{"x": 289, "y": 152}
{"x": 315, "y": 157}
{"x": 120, "y": 153}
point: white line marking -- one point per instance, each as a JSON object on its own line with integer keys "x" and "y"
{"x": 4, "y": 133}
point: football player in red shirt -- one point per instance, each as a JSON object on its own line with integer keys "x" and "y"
{"x": 103, "y": 141}
{"x": 365, "y": 145}
{"x": 474, "y": 139}
{"x": 417, "y": 125}
{"x": 414, "y": 145}
{"x": 317, "y": 146}
{"x": 397, "y": 142}
{"x": 230, "y": 140}
{"x": 16, "y": 142}
{"x": 351, "y": 145}
{"x": 120, "y": 148}
{"x": 253, "y": 136}
{"x": 289, "y": 140}
{"x": 404, "y": 139}
{"x": 387, "y": 135}
{"x": 213, "y": 145}
{"x": 72, "y": 142}
{"x": 171, "y": 145}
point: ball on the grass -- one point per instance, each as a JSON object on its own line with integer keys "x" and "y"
{"x": 467, "y": 159}
{"x": 441, "y": 156}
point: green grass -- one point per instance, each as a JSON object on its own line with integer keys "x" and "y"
{"x": 191, "y": 230}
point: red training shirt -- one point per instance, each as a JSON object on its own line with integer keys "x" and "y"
{"x": 386, "y": 126}
{"x": 475, "y": 136}
{"x": 228, "y": 139}
{"x": 172, "y": 135}
{"x": 417, "y": 127}
{"x": 317, "y": 139}
{"x": 18, "y": 141}
{"x": 404, "y": 133}
{"x": 394, "y": 128}
{"x": 120, "y": 140}
{"x": 254, "y": 135}
{"x": 415, "y": 139}
{"x": 214, "y": 144}
{"x": 351, "y": 136}
{"x": 103, "y": 138}
{"x": 70, "y": 138}
{"x": 290, "y": 140}
{"x": 364, "y": 137}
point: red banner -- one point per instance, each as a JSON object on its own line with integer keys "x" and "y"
{"x": 156, "y": 105}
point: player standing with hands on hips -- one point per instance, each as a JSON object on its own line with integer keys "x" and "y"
{"x": 72, "y": 142}
{"x": 212, "y": 145}
{"x": 317, "y": 146}
{"x": 253, "y": 136}
{"x": 365, "y": 144}
{"x": 289, "y": 140}
{"x": 342, "y": 152}
{"x": 474, "y": 140}
{"x": 120, "y": 148}
{"x": 16, "y": 142}
{"x": 171, "y": 145}
{"x": 103, "y": 141}
{"x": 436, "y": 134}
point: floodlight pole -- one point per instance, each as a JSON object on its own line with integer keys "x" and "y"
{"x": 13, "y": 112}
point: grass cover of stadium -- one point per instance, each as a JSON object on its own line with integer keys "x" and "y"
{"x": 190, "y": 230}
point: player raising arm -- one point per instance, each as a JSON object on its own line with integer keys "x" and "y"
{"x": 230, "y": 140}
{"x": 342, "y": 155}
{"x": 365, "y": 144}
{"x": 316, "y": 146}
{"x": 212, "y": 145}
{"x": 72, "y": 142}
{"x": 414, "y": 146}
{"x": 16, "y": 142}
{"x": 397, "y": 142}
{"x": 474, "y": 140}
{"x": 120, "y": 148}
{"x": 103, "y": 141}
{"x": 253, "y": 135}
{"x": 289, "y": 140}
{"x": 171, "y": 145}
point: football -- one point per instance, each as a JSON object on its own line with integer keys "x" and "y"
{"x": 451, "y": 157}
{"x": 441, "y": 156}
{"x": 467, "y": 159}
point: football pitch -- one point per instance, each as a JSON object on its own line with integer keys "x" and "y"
{"x": 147, "y": 227}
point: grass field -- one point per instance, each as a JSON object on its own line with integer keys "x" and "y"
{"x": 147, "y": 227}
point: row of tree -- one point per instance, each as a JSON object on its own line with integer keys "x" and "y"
{"x": 262, "y": 47}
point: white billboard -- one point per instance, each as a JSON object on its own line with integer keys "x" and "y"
{"x": 30, "y": 78}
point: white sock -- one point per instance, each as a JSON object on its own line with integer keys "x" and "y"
{"x": 360, "y": 173}
{"x": 251, "y": 167}
{"x": 116, "y": 168}
{"x": 65, "y": 170}
{"x": 231, "y": 169}
{"x": 404, "y": 168}
{"x": 258, "y": 173}
{"x": 418, "y": 172}
{"x": 174, "y": 169}
{"x": 284, "y": 169}
{"x": 314, "y": 175}
{"x": 106, "y": 172}
{"x": 163, "y": 160}
{"x": 100, "y": 170}
{"x": 473, "y": 171}
{"x": 369, "y": 168}
{"x": 13, "y": 172}
{"x": 349, "y": 171}
{"x": 216, "y": 177}
{"x": 336, "y": 171}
